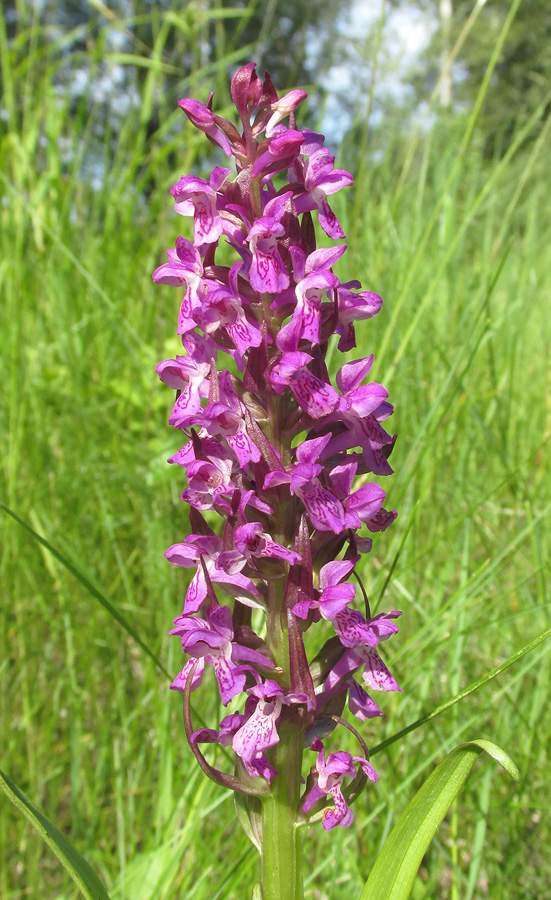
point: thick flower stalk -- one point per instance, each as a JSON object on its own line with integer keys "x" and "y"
{"x": 286, "y": 459}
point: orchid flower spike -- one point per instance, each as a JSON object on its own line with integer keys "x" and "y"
{"x": 287, "y": 458}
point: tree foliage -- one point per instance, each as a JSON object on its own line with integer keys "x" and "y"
{"x": 522, "y": 76}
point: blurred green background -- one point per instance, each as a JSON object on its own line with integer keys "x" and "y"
{"x": 441, "y": 111}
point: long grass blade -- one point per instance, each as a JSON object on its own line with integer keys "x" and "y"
{"x": 101, "y": 598}
{"x": 515, "y": 657}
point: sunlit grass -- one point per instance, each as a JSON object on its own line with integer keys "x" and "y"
{"x": 89, "y": 729}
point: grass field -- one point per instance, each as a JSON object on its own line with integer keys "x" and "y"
{"x": 456, "y": 240}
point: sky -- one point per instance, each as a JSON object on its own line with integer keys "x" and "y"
{"x": 406, "y": 34}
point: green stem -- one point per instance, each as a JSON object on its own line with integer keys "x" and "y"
{"x": 281, "y": 839}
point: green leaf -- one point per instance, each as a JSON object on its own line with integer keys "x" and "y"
{"x": 249, "y": 814}
{"x": 82, "y": 874}
{"x": 393, "y": 874}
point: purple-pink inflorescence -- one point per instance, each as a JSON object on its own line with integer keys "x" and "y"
{"x": 278, "y": 451}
